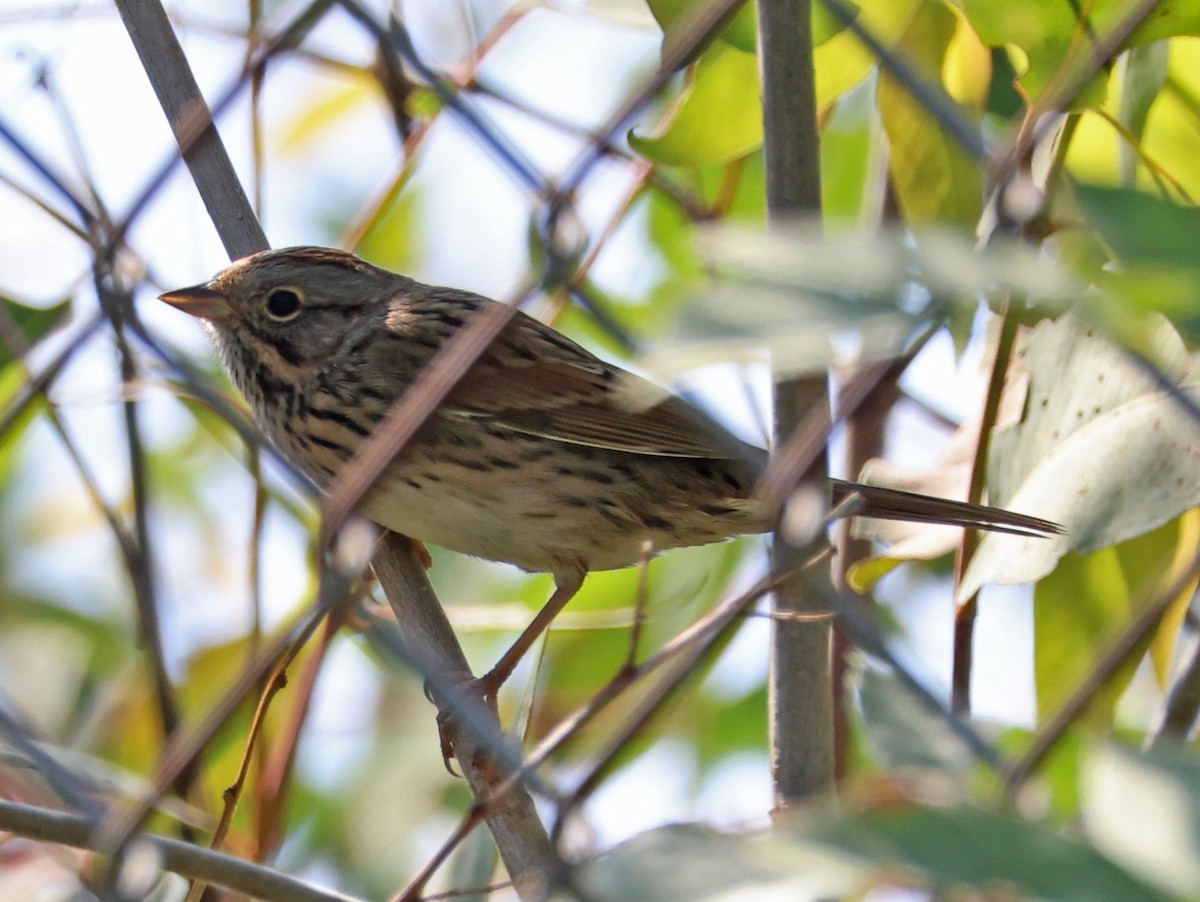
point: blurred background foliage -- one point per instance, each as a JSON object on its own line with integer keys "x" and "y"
{"x": 1085, "y": 203}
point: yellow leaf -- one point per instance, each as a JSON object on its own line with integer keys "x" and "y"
{"x": 935, "y": 179}
{"x": 967, "y": 69}
{"x": 1162, "y": 646}
{"x": 843, "y": 61}
{"x": 326, "y": 109}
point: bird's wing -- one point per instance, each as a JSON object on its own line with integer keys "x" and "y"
{"x": 536, "y": 381}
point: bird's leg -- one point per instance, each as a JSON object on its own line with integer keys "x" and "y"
{"x": 565, "y": 587}
{"x": 487, "y": 686}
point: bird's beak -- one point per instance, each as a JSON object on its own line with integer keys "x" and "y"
{"x": 199, "y": 300}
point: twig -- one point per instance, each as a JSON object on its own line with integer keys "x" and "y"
{"x": 273, "y": 780}
{"x": 87, "y": 216}
{"x": 118, "y": 307}
{"x": 65, "y": 784}
{"x": 1115, "y": 656}
{"x": 1183, "y": 701}
{"x": 186, "y": 746}
{"x": 964, "y": 616}
{"x": 182, "y": 858}
{"x": 274, "y": 684}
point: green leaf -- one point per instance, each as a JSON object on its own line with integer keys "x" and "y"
{"x": 1170, "y": 142}
{"x": 33, "y": 322}
{"x": 1141, "y": 228}
{"x": 722, "y": 728}
{"x": 719, "y": 118}
{"x": 1143, "y": 811}
{"x": 327, "y": 109}
{"x": 1049, "y": 37}
{"x": 984, "y": 851}
{"x": 851, "y": 143}
{"x": 934, "y": 178}
{"x": 391, "y": 240}
{"x": 1041, "y": 37}
{"x": 739, "y": 28}
{"x": 968, "y": 68}
{"x": 1144, "y": 77}
{"x": 748, "y": 202}
{"x": 1082, "y": 605}
{"x": 1003, "y": 99}
{"x": 864, "y": 574}
{"x": 825, "y": 25}
{"x": 687, "y": 863}
{"x": 905, "y": 733}
{"x": 1168, "y": 19}
{"x": 843, "y": 61}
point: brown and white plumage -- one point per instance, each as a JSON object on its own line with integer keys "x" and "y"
{"x": 543, "y": 456}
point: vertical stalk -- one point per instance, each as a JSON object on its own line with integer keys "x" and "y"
{"x": 801, "y": 690}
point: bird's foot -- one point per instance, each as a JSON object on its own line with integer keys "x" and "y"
{"x": 485, "y": 688}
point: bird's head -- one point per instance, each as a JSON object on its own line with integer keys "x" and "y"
{"x": 291, "y": 309}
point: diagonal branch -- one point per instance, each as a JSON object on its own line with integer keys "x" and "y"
{"x": 403, "y": 578}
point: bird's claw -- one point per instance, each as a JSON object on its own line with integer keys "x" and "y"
{"x": 484, "y": 687}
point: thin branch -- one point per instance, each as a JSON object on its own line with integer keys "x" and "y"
{"x": 964, "y": 616}
{"x": 233, "y": 794}
{"x": 65, "y": 784}
{"x": 699, "y": 635}
{"x": 118, "y": 307}
{"x": 74, "y": 145}
{"x": 1182, "y": 705}
{"x": 181, "y": 858}
{"x": 1120, "y": 652}
{"x": 57, "y": 215}
{"x": 187, "y": 745}
{"x": 273, "y": 780}
{"x": 171, "y": 77}
{"x": 431, "y": 649}
{"x": 87, "y": 216}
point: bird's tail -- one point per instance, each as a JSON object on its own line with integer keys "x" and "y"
{"x": 894, "y": 504}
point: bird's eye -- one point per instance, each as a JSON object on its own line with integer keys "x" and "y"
{"x": 283, "y": 304}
